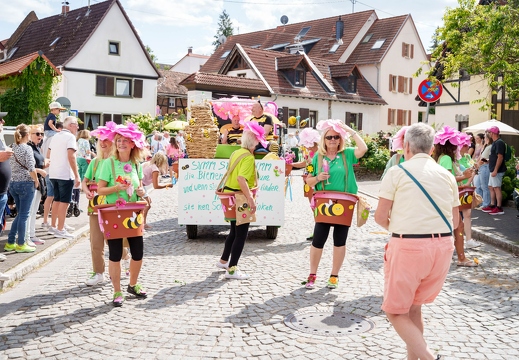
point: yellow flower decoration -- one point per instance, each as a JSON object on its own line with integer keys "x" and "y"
{"x": 310, "y": 168}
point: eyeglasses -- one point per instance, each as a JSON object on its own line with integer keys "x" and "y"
{"x": 330, "y": 137}
{"x": 38, "y": 134}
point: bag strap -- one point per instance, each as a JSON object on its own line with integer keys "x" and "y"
{"x": 428, "y": 197}
{"x": 320, "y": 165}
{"x": 22, "y": 165}
{"x": 230, "y": 169}
{"x": 96, "y": 163}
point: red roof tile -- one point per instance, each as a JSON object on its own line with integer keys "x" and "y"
{"x": 18, "y": 65}
{"x": 74, "y": 30}
{"x": 289, "y": 62}
{"x": 381, "y": 29}
{"x": 169, "y": 83}
{"x": 218, "y": 82}
{"x": 320, "y": 28}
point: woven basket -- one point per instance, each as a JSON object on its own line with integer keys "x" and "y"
{"x": 201, "y": 134}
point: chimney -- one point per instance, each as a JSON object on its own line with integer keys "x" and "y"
{"x": 65, "y": 8}
{"x": 339, "y": 29}
{"x": 190, "y": 50}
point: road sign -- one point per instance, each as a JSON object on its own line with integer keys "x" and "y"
{"x": 430, "y": 91}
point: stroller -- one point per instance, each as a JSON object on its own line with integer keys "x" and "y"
{"x": 73, "y": 208}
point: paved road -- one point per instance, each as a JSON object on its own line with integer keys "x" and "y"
{"x": 194, "y": 313}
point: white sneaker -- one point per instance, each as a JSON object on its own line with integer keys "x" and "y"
{"x": 45, "y": 226}
{"x": 3, "y": 257}
{"x": 222, "y": 266}
{"x": 30, "y": 243}
{"x": 37, "y": 241}
{"x": 234, "y": 273}
{"x": 51, "y": 230}
{"x": 471, "y": 244}
{"x": 63, "y": 234}
{"x": 68, "y": 228}
{"x": 95, "y": 279}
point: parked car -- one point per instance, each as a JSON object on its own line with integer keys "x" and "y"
{"x": 7, "y": 135}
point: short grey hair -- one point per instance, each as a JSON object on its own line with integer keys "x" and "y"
{"x": 68, "y": 120}
{"x": 420, "y": 138}
{"x": 248, "y": 140}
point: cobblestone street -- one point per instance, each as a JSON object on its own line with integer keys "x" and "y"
{"x": 192, "y": 312}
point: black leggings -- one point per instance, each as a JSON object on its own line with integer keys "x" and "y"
{"x": 235, "y": 242}
{"x": 115, "y": 247}
{"x": 321, "y": 231}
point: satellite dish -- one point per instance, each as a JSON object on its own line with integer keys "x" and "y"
{"x": 222, "y": 39}
{"x": 284, "y": 19}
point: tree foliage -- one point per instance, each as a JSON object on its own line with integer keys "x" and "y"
{"x": 224, "y": 28}
{"x": 481, "y": 39}
{"x": 29, "y": 93}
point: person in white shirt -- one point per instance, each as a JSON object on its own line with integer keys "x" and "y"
{"x": 180, "y": 140}
{"x": 165, "y": 139}
{"x": 63, "y": 173}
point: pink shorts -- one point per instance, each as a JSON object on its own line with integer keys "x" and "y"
{"x": 414, "y": 271}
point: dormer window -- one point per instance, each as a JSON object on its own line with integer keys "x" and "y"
{"x": 113, "y": 48}
{"x": 378, "y": 44}
{"x": 348, "y": 83}
{"x": 297, "y": 76}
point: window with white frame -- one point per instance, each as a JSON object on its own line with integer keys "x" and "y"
{"x": 171, "y": 102}
{"x": 123, "y": 87}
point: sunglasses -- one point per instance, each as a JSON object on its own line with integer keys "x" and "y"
{"x": 330, "y": 137}
{"x": 38, "y": 134}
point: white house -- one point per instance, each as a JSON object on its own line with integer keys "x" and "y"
{"x": 106, "y": 72}
{"x": 190, "y": 63}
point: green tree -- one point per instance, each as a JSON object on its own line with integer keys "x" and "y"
{"x": 29, "y": 93}
{"x": 153, "y": 57}
{"x": 224, "y": 28}
{"x": 481, "y": 39}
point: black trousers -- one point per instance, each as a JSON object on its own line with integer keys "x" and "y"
{"x": 234, "y": 243}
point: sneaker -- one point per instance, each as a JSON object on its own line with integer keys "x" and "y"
{"x": 234, "y": 273}
{"x": 497, "y": 211}
{"x": 24, "y": 248}
{"x": 471, "y": 244}
{"x": 118, "y": 299}
{"x": 9, "y": 247}
{"x": 68, "y": 228}
{"x": 487, "y": 208}
{"x": 333, "y": 282}
{"x": 3, "y": 257}
{"x": 95, "y": 279}
{"x": 51, "y": 230}
{"x": 45, "y": 226}
{"x": 137, "y": 290}
{"x": 310, "y": 238}
{"x": 63, "y": 234}
{"x": 37, "y": 241}
{"x": 30, "y": 243}
{"x": 222, "y": 266}
{"x": 310, "y": 282}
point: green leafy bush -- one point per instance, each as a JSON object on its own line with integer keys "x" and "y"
{"x": 377, "y": 155}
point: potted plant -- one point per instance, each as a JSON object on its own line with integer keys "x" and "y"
{"x": 289, "y": 159}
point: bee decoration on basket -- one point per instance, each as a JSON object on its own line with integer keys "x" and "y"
{"x": 185, "y": 167}
{"x": 331, "y": 208}
{"x": 206, "y": 133}
{"x": 97, "y": 200}
{"x": 192, "y": 121}
{"x": 134, "y": 221}
{"x": 189, "y": 138}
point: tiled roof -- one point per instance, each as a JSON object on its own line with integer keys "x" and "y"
{"x": 18, "y": 65}
{"x": 74, "y": 30}
{"x": 320, "y": 28}
{"x": 218, "y": 81}
{"x": 381, "y": 29}
{"x": 289, "y": 62}
{"x": 169, "y": 83}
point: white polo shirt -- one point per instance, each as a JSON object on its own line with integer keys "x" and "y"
{"x": 59, "y": 165}
{"x": 412, "y": 212}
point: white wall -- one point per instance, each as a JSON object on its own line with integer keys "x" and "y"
{"x": 79, "y": 88}
{"x": 189, "y": 64}
{"x": 393, "y": 63}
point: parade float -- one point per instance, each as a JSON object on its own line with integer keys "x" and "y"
{"x": 199, "y": 175}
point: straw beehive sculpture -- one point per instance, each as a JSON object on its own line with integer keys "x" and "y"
{"x": 201, "y": 133}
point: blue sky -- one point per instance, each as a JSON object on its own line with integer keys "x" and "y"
{"x": 169, "y": 27}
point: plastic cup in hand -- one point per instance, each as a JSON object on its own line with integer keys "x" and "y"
{"x": 326, "y": 169}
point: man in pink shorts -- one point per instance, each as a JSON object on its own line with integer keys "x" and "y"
{"x": 419, "y": 252}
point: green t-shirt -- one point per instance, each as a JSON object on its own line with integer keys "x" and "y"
{"x": 446, "y": 162}
{"x": 92, "y": 173}
{"x": 244, "y": 168}
{"x": 465, "y": 163}
{"x": 338, "y": 173}
{"x": 106, "y": 174}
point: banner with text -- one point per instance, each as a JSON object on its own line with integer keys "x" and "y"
{"x": 199, "y": 205}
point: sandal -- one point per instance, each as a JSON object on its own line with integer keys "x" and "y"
{"x": 467, "y": 263}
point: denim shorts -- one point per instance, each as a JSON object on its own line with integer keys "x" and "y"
{"x": 496, "y": 181}
{"x": 50, "y": 188}
{"x": 62, "y": 190}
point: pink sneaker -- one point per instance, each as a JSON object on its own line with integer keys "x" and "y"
{"x": 310, "y": 282}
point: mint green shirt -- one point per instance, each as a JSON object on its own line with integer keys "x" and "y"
{"x": 106, "y": 174}
{"x": 337, "y": 180}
